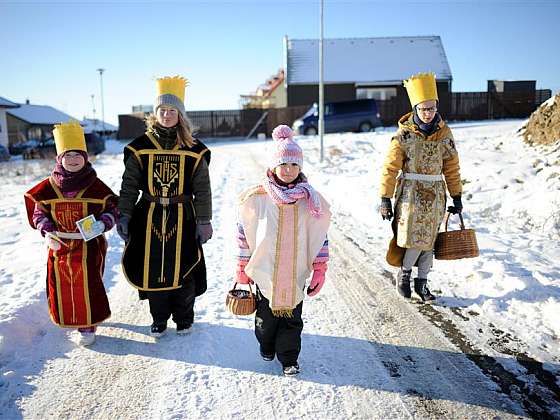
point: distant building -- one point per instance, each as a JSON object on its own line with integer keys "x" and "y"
{"x": 33, "y": 122}
{"x": 360, "y": 68}
{"x": 104, "y": 129}
{"x": 271, "y": 94}
{"x": 512, "y": 98}
{"x": 131, "y": 125}
{"x": 145, "y": 109}
{"x": 4, "y": 105}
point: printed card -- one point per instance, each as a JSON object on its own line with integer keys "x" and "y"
{"x": 89, "y": 227}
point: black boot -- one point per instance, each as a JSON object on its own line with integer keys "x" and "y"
{"x": 421, "y": 289}
{"x": 403, "y": 283}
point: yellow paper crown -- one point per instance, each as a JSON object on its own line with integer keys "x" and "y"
{"x": 172, "y": 86}
{"x": 69, "y": 136}
{"x": 421, "y": 87}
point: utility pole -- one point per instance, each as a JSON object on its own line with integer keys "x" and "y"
{"x": 321, "y": 85}
{"x": 100, "y": 70}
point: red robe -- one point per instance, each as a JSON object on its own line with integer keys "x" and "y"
{"x": 75, "y": 291}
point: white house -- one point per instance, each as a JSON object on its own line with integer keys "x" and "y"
{"x": 4, "y": 105}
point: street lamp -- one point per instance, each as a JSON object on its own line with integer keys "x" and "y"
{"x": 321, "y": 85}
{"x": 102, "y": 102}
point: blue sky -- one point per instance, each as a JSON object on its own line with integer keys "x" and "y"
{"x": 51, "y": 50}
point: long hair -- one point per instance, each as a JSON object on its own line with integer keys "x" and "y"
{"x": 184, "y": 129}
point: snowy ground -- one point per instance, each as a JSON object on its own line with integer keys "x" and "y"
{"x": 504, "y": 304}
{"x": 512, "y": 199}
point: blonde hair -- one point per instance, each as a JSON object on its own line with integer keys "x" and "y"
{"x": 184, "y": 129}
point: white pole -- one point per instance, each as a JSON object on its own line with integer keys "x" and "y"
{"x": 321, "y": 86}
{"x": 102, "y": 102}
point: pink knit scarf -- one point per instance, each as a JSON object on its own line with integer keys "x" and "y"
{"x": 290, "y": 194}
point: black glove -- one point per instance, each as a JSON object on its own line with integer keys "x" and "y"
{"x": 386, "y": 209}
{"x": 122, "y": 228}
{"x": 457, "y": 206}
{"x": 204, "y": 231}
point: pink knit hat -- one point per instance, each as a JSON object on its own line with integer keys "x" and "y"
{"x": 287, "y": 150}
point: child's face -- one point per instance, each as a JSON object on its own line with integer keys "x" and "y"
{"x": 73, "y": 161}
{"x": 167, "y": 116}
{"x": 287, "y": 172}
{"x": 426, "y": 111}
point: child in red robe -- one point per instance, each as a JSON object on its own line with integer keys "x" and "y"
{"x": 75, "y": 292}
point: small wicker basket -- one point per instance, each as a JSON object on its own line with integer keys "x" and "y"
{"x": 456, "y": 244}
{"x": 241, "y": 302}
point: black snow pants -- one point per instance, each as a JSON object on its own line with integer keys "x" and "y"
{"x": 177, "y": 302}
{"x": 277, "y": 335}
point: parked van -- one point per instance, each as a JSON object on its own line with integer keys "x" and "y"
{"x": 360, "y": 115}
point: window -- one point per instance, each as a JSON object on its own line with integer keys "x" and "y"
{"x": 379, "y": 94}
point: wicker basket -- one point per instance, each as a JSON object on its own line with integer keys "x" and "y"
{"x": 456, "y": 244}
{"x": 241, "y": 302}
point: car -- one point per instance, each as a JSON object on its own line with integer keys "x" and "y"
{"x": 21, "y": 147}
{"x": 359, "y": 115}
{"x": 44, "y": 149}
{"x": 47, "y": 149}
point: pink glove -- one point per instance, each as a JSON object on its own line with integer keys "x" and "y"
{"x": 318, "y": 279}
{"x": 241, "y": 277}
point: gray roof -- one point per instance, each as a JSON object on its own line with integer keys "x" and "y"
{"x": 4, "y": 103}
{"x": 366, "y": 61}
{"x": 40, "y": 114}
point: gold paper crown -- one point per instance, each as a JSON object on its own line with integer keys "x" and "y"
{"x": 172, "y": 86}
{"x": 421, "y": 87}
{"x": 69, "y": 136}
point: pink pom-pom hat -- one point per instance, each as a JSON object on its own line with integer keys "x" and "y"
{"x": 287, "y": 150}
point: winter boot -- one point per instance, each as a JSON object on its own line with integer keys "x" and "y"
{"x": 421, "y": 289}
{"x": 291, "y": 370}
{"x": 87, "y": 336}
{"x": 158, "y": 330}
{"x": 267, "y": 356}
{"x": 403, "y": 283}
{"x": 184, "y": 328}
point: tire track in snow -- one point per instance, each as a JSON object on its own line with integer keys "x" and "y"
{"x": 438, "y": 380}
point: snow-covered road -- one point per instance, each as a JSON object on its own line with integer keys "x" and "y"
{"x": 366, "y": 353}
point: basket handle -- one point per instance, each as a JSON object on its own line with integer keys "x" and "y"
{"x": 248, "y": 284}
{"x": 461, "y": 222}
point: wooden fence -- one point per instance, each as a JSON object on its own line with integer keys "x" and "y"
{"x": 455, "y": 106}
{"x": 471, "y": 105}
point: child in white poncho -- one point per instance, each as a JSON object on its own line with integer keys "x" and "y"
{"x": 282, "y": 236}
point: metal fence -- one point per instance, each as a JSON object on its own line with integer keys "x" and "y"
{"x": 241, "y": 123}
{"x": 225, "y": 123}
